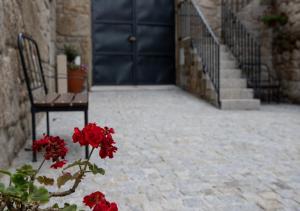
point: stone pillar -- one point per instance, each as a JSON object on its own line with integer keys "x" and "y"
{"x": 74, "y": 28}
{"x": 62, "y": 83}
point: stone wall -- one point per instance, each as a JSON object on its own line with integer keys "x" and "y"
{"x": 280, "y": 54}
{"x": 35, "y": 17}
{"x": 212, "y": 12}
{"x": 251, "y": 18}
{"x": 190, "y": 75}
{"x": 287, "y": 51}
{"x": 74, "y": 27}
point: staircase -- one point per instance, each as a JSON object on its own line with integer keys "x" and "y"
{"x": 234, "y": 94}
{"x": 231, "y": 70}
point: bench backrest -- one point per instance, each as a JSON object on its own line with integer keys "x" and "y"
{"x": 31, "y": 65}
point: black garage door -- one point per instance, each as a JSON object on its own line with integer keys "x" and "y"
{"x": 133, "y": 42}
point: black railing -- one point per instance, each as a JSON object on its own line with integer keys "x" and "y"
{"x": 243, "y": 45}
{"x": 193, "y": 25}
{"x": 237, "y": 5}
{"x": 247, "y": 50}
{"x": 269, "y": 85}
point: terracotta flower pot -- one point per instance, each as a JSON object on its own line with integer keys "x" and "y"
{"x": 76, "y": 80}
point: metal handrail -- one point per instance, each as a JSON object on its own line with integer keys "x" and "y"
{"x": 238, "y": 5}
{"x": 243, "y": 45}
{"x": 247, "y": 50}
{"x": 200, "y": 13}
{"x": 195, "y": 26}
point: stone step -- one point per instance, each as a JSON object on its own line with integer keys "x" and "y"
{"x": 240, "y": 104}
{"x": 228, "y": 64}
{"x": 236, "y": 93}
{"x": 223, "y": 48}
{"x": 230, "y": 73}
{"x": 226, "y": 56}
{"x": 233, "y": 83}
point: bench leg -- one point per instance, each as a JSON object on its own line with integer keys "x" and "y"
{"x": 33, "y": 135}
{"x": 48, "y": 123}
{"x": 85, "y": 123}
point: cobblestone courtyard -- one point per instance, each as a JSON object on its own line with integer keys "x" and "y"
{"x": 177, "y": 152}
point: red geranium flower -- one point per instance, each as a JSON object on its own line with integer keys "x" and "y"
{"x": 93, "y": 134}
{"x": 58, "y": 164}
{"x": 93, "y": 199}
{"x": 107, "y": 151}
{"x": 99, "y": 203}
{"x": 107, "y": 146}
{"x": 55, "y": 148}
{"x": 96, "y": 137}
{"x": 78, "y": 137}
{"x": 106, "y": 206}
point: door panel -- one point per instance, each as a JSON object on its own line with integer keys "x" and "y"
{"x": 113, "y": 55}
{"x": 158, "y": 11}
{"x": 155, "y": 39}
{"x": 115, "y": 69}
{"x": 120, "y": 10}
{"x": 149, "y": 57}
{"x": 155, "y": 49}
{"x": 154, "y": 70}
{"x": 112, "y": 38}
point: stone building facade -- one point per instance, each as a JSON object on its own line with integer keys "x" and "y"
{"x": 287, "y": 60}
{"x": 36, "y": 17}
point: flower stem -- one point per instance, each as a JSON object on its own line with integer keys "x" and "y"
{"x": 76, "y": 182}
{"x": 90, "y": 155}
{"x": 38, "y": 170}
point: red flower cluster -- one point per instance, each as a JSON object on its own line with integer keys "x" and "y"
{"x": 58, "y": 164}
{"x": 99, "y": 203}
{"x": 96, "y": 136}
{"x": 55, "y": 149}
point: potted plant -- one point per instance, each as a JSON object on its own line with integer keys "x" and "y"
{"x": 76, "y": 73}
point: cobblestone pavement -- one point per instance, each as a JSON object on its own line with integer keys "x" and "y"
{"x": 178, "y": 153}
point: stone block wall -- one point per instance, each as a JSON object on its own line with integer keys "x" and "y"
{"x": 35, "y": 17}
{"x": 190, "y": 76}
{"x": 287, "y": 59}
{"x": 284, "y": 61}
{"x": 74, "y": 27}
{"x": 212, "y": 11}
{"x": 251, "y": 18}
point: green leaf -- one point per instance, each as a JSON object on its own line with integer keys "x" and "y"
{"x": 40, "y": 195}
{"x": 45, "y": 180}
{"x": 55, "y": 206}
{"x": 96, "y": 170}
{"x": 19, "y": 179}
{"x": 14, "y": 191}
{"x": 75, "y": 163}
{"x": 26, "y": 170}
{"x": 2, "y": 188}
{"x": 5, "y": 172}
{"x": 70, "y": 208}
{"x": 24, "y": 197}
{"x": 63, "y": 179}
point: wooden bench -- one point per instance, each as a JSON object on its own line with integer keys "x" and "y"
{"x": 41, "y": 100}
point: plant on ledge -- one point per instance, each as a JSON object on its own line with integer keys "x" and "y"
{"x": 76, "y": 72}
{"x": 283, "y": 40}
{"x": 26, "y": 190}
{"x": 272, "y": 17}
